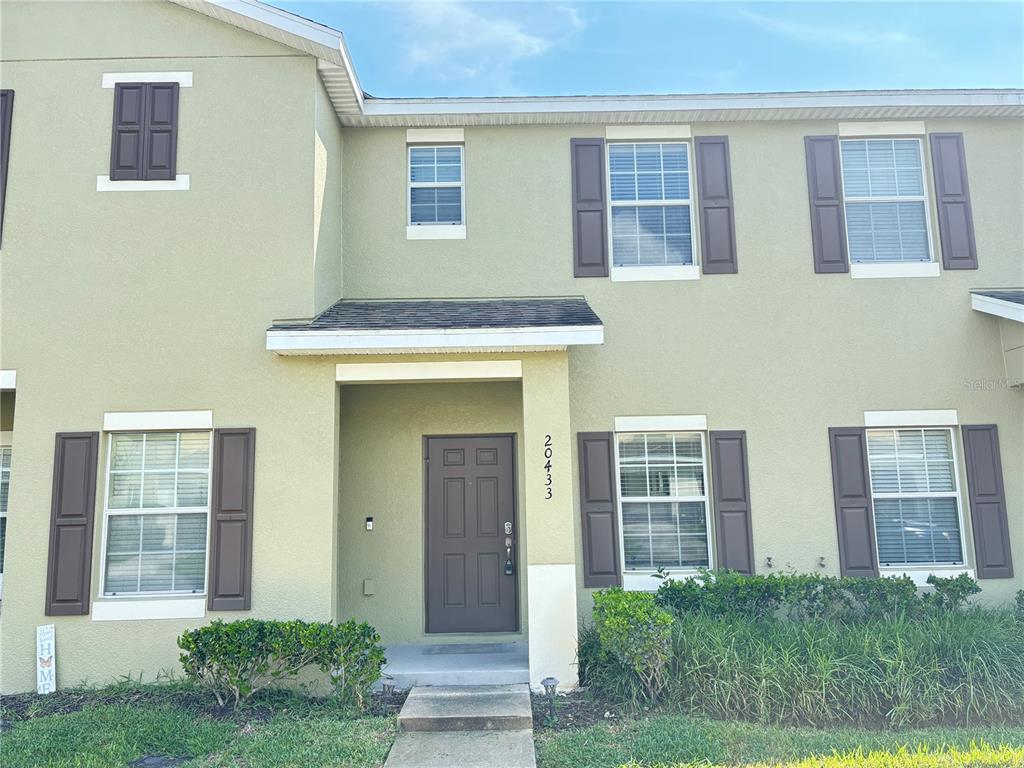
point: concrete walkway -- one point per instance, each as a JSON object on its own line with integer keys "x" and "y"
{"x": 465, "y": 727}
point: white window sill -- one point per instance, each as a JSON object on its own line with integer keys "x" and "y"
{"x": 920, "y": 574}
{"x": 180, "y": 183}
{"x": 124, "y": 609}
{"x": 894, "y": 269}
{"x": 641, "y": 274}
{"x": 436, "y": 232}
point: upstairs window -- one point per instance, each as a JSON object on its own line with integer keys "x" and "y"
{"x": 915, "y": 494}
{"x": 663, "y": 500}
{"x": 158, "y": 488}
{"x": 651, "y": 221}
{"x": 436, "y": 186}
{"x": 885, "y": 203}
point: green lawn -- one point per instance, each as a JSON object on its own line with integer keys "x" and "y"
{"x": 668, "y": 739}
{"x": 111, "y": 735}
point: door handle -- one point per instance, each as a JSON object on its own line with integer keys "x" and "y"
{"x": 508, "y": 549}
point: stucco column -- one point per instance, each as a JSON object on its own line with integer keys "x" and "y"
{"x": 548, "y": 514}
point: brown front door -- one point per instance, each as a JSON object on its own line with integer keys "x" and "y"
{"x": 471, "y": 504}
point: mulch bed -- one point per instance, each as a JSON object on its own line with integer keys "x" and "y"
{"x": 26, "y": 706}
{"x": 573, "y": 710}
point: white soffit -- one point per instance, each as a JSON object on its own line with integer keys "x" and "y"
{"x": 935, "y": 418}
{"x": 443, "y": 370}
{"x": 684, "y": 109}
{"x": 990, "y": 305}
{"x": 330, "y": 342}
{"x": 326, "y": 44}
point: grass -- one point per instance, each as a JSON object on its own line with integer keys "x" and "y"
{"x": 111, "y": 727}
{"x": 678, "y": 740}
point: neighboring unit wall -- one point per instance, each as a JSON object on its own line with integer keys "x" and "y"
{"x": 158, "y": 301}
{"x": 775, "y": 350}
{"x": 381, "y": 476}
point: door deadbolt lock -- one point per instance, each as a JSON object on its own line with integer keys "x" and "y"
{"x": 508, "y": 529}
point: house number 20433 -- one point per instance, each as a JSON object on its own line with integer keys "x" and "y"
{"x": 548, "y": 453}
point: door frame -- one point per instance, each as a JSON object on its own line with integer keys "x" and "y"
{"x": 515, "y": 527}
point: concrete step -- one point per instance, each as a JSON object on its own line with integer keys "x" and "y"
{"x": 457, "y": 664}
{"x": 467, "y": 708}
{"x": 463, "y": 749}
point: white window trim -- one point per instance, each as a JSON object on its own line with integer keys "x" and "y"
{"x": 860, "y": 269}
{"x": 435, "y": 135}
{"x": 954, "y": 494}
{"x": 637, "y": 580}
{"x": 154, "y": 421}
{"x": 183, "y": 79}
{"x": 655, "y": 274}
{"x": 646, "y": 132}
{"x": 179, "y": 183}
{"x": 437, "y": 231}
{"x": 128, "y": 609}
{"x": 882, "y": 128}
{"x": 625, "y": 274}
{"x": 108, "y": 513}
{"x": 410, "y": 185}
{"x": 8, "y": 379}
{"x": 911, "y": 419}
{"x": 5, "y": 442}
{"x": 920, "y": 575}
{"x": 922, "y": 198}
{"x": 692, "y": 423}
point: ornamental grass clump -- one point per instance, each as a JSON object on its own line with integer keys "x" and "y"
{"x": 810, "y": 649}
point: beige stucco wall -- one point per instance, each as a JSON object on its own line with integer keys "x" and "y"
{"x": 159, "y": 300}
{"x": 776, "y": 349}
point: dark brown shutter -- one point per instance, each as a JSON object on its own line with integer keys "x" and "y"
{"x": 69, "y": 570}
{"x": 161, "y": 140}
{"x": 6, "y": 114}
{"x": 129, "y": 128}
{"x": 733, "y": 538}
{"x": 953, "y": 199}
{"x": 234, "y": 462}
{"x": 714, "y": 198}
{"x": 597, "y": 507}
{"x": 825, "y": 187}
{"x": 988, "y": 502}
{"x": 145, "y": 134}
{"x": 852, "y": 489}
{"x": 589, "y": 223}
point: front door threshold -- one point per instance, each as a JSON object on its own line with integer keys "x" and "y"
{"x": 457, "y": 664}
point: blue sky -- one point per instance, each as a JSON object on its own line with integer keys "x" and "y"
{"x": 459, "y": 48}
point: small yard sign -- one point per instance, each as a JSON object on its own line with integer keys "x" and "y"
{"x": 46, "y": 665}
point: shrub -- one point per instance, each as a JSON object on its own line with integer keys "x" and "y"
{"x": 810, "y": 596}
{"x": 634, "y": 634}
{"x": 236, "y": 659}
{"x": 811, "y": 649}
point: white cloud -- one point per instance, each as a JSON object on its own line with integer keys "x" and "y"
{"x": 481, "y": 42}
{"x": 825, "y": 35}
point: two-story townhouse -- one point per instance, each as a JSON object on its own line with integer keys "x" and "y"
{"x": 542, "y": 346}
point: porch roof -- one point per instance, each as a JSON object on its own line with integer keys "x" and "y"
{"x": 1002, "y": 302}
{"x": 363, "y": 326}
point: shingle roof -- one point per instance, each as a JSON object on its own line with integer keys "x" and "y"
{"x": 1014, "y": 295}
{"x": 447, "y": 314}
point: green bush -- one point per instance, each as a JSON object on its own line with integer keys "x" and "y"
{"x": 635, "y": 635}
{"x": 811, "y": 649}
{"x": 236, "y": 659}
{"x": 810, "y": 596}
